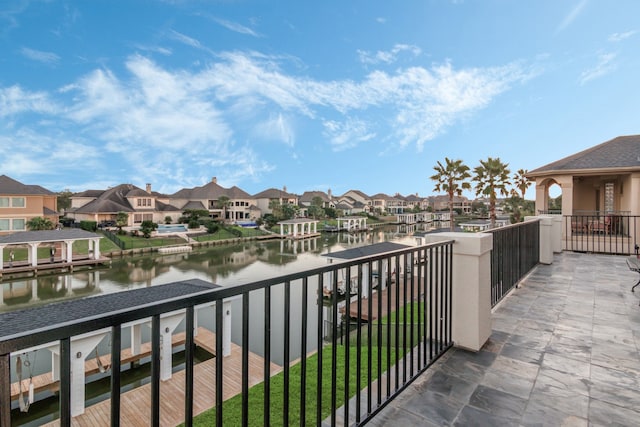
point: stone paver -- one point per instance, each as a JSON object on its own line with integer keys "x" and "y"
{"x": 565, "y": 351}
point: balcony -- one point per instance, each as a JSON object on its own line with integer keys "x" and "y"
{"x": 564, "y": 351}
{"x": 561, "y": 348}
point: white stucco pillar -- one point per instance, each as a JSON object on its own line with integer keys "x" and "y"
{"x": 32, "y": 254}
{"x": 226, "y": 328}
{"x": 541, "y": 196}
{"x": 471, "y": 323}
{"x": 136, "y": 339}
{"x": 80, "y": 349}
{"x": 69, "y": 250}
{"x": 556, "y": 233}
{"x": 546, "y": 237}
{"x": 1, "y": 258}
{"x": 167, "y": 326}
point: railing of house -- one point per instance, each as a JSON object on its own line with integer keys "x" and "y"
{"x": 384, "y": 342}
{"x": 611, "y": 233}
{"x": 516, "y": 250}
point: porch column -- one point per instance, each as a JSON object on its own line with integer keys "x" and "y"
{"x": 32, "y": 254}
{"x": 226, "y": 328}
{"x": 68, "y": 244}
{"x": 96, "y": 248}
{"x": 80, "y": 348}
{"x": 541, "y": 196}
{"x": 1, "y": 260}
{"x": 167, "y": 326}
{"x": 471, "y": 322}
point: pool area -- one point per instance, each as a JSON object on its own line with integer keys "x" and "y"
{"x": 247, "y": 224}
{"x": 171, "y": 228}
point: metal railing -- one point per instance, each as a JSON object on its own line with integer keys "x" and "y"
{"x": 601, "y": 233}
{"x": 516, "y": 250}
{"x": 385, "y": 340}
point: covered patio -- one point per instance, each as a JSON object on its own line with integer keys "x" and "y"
{"x": 564, "y": 351}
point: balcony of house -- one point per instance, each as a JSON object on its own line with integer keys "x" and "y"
{"x": 492, "y": 328}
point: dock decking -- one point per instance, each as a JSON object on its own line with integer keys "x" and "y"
{"x": 136, "y": 403}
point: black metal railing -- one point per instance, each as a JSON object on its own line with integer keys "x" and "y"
{"x": 516, "y": 250}
{"x": 389, "y": 318}
{"x": 600, "y": 233}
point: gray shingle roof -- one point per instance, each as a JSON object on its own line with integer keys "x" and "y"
{"x": 31, "y": 319}
{"x": 11, "y": 186}
{"x": 369, "y": 250}
{"x": 620, "y": 152}
{"x": 47, "y": 236}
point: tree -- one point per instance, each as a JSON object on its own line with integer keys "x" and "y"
{"x": 122, "y": 220}
{"x": 316, "y": 210}
{"x": 223, "y": 203}
{"x": 451, "y": 178}
{"x": 64, "y": 199}
{"x": 39, "y": 223}
{"x": 521, "y": 183}
{"x": 492, "y": 178}
{"x": 147, "y": 227}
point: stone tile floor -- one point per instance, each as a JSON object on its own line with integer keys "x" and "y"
{"x": 564, "y": 352}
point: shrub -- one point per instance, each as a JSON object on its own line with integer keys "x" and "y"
{"x": 89, "y": 225}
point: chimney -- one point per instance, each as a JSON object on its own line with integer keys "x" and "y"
{"x": 284, "y": 188}
{"x": 148, "y": 188}
{"x": 214, "y": 180}
{"x": 329, "y": 193}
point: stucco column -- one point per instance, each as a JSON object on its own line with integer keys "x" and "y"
{"x": 33, "y": 254}
{"x": 541, "y": 196}
{"x": 69, "y": 249}
{"x": 567, "y": 196}
{"x": 546, "y": 237}
{"x": 471, "y": 323}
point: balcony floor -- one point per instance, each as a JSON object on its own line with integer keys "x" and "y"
{"x": 564, "y": 351}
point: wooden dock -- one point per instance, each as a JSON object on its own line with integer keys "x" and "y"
{"x": 136, "y": 403}
{"x": 46, "y": 266}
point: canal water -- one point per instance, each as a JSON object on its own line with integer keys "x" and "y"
{"x": 227, "y": 265}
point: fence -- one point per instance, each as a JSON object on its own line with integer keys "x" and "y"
{"x": 610, "y": 233}
{"x": 384, "y": 319}
{"x": 516, "y": 250}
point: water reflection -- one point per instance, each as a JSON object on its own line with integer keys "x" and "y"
{"x": 225, "y": 265}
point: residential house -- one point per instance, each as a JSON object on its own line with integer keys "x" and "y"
{"x": 360, "y": 197}
{"x": 104, "y": 205}
{"x": 414, "y": 201}
{"x": 267, "y": 198}
{"x": 601, "y": 179}
{"x": 441, "y": 203}
{"x": 21, "y": 202}
{"x": 307, "y": 198}
{"x": 350, "y": 206}
{"x": 230, "y": 204}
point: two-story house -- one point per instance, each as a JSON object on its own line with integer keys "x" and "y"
{"x": 21, "y": 202}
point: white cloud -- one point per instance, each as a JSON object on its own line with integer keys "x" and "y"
{"x": 389, "y": 56}
{"x": 347, "y": 134}
{"x": 184, "y": 39}
{"x": 571, "y": 16}
{"x": 604, "y": 66}
{"x": 14, "y": 100}
{"x": 40, "y": 56}
{"x": 182, "y": 126}
{"x": 617, "y": 37}
{"x": 238, "y": 28}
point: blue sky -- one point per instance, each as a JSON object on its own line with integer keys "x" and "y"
{"x": 337, "y": 95}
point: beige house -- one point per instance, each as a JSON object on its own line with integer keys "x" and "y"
{"x": 600, "y": 196}
{"x": 603, "y": 179}
{"x": 21, "y": 202}
{"x": 264, "y": 200}
{"x": 239, "y": 204}
{"x": 104, "y": 205}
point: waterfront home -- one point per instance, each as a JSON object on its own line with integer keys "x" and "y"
{"x": 264, "y": 200}
{"x": 229, "y": 204}
{"x": 21, "y": 202}
{"x": 103, "y": 206}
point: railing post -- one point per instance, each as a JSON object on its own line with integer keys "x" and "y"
{"x": 5, "y": 390}
{"x": 471, "y": 317}
{"x": 546, "y": 237}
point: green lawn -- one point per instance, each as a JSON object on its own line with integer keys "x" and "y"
{"x": 232, "y": 408}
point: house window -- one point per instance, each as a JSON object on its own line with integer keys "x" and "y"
{"x": 5, "y": 224}
{"x": 4, "y": 202}
{"x": 139, "y": 202}
{"x": 609, "y": 198}
{"x": 19, "y": 224}
{"x": 17, "y": 202}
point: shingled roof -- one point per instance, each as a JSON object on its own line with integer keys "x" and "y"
{"x": 622, "y": 152}
{"x": 11, "y": 186}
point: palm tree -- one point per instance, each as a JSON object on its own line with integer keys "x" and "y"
{"x": 520, "y": 182}
{"x": 223, "y": 203}
{"x": 39, "y": 223}
{"x": 451, "y": 178}
{"x": 492, "y": 177}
